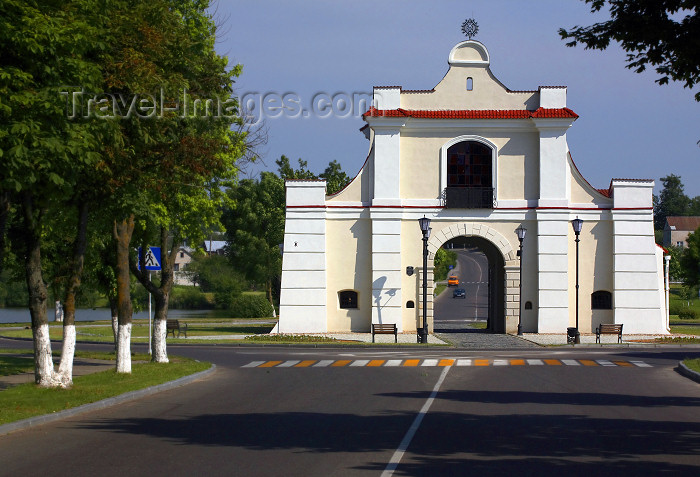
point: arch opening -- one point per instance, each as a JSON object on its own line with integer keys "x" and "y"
{"x": 477, "y": 303}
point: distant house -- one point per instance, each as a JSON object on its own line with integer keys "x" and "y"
{"x": 678, "y": 228}
{"x": 214, "y": 247}
{"x": 182, "y": 259}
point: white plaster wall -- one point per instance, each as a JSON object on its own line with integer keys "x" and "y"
{"x": 553, "y": 273}
{"x": 638, "y": 299}
{"x": 386, "y": 270}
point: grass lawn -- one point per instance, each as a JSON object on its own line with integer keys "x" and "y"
{"x": 27, "y": 400}
{"x": 693, "y": 364}
{"x": 139, "y": 331}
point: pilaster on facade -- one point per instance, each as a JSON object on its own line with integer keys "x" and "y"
{"x": 553, "y": 271}
{"x": 636, "y": 266}
{"x": 512, "y": 297}
{"x": 386, "y": 271}
{"x": 555, "y": 179}
{"x": 303, "y": 287}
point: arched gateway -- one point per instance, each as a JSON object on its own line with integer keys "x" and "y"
{"x": 480, "y": 161}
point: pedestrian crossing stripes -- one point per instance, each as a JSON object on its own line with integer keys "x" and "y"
{"x": 432, "y": 362}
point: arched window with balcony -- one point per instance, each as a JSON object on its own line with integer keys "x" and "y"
{"x": 469, "y": 176}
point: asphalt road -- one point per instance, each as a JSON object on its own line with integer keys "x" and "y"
{"x": 472, "y": 271}
{"x": 321, "y": 412}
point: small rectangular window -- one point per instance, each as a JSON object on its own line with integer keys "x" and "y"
{"x": 347, "y": 299}
{"x": 601, "y": 300}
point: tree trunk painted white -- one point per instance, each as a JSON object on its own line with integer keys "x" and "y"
{"x": 124, "y": 349}
{"x": 44, "y": 374}
{"x": 160, "y": 352}
{"x": 65, "y": 369}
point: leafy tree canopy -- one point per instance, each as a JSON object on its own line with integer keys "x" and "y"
{"x": 664, "y": 34}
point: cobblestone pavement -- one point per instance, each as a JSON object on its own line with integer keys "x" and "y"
{"x": 460, "y": 336}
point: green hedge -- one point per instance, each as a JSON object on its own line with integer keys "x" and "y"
{"x": 250, "y": 306}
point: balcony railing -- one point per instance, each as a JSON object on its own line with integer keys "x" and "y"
{"x": 469, "y": 198}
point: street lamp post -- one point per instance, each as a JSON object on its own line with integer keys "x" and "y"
{"x": 425, "y": 229}
{"x": 577, "y": 225}
{"x": 520, "y": 232}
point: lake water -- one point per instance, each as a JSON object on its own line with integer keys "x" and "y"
{"x": 21, "y": 315}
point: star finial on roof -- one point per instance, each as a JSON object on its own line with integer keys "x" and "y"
{"x": 470, "y": 28}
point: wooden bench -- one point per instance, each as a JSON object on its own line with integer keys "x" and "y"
{"x": 385, "y": 329}
{"x": 608, "y": 329}
{"x": 173, "y": 325}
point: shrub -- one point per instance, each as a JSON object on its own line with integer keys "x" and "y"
{"x": 250, "y": 306}
{"x": 188, "y": 298}
{"x": 675, "y": 309}
{"x": 687, "y": 314}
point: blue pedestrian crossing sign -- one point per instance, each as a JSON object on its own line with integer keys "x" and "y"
{"x": 152, "y": 259}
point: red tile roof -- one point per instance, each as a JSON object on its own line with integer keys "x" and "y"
{"x": 605, "y": 192}
{"x": 684, "y": 223}
{"x": 472, "y": 113}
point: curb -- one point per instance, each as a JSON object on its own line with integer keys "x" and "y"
{"x": 687, "y": 372}
{"x": 122, "y": 398}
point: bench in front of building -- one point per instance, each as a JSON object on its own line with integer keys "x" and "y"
{"x": 608, "y": 329}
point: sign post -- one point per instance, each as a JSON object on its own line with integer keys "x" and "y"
{"x": 151, "y": 262}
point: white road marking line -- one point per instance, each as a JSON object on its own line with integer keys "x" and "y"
{"x": 535, "y": 362}
{"x": 570, "y": 362}
{"x": 501, "y": 362}
{"x": 464, "y": 362}
{"x": 323, "y": 363}
{"x": 430, "y": 362}
{"x": 253, "y": 364}
{"x": 641, "y": 364}
{"x": 398, "y": 454}
{"x": 394, "y": 362}
{"x": 289, "y": 364}
{"x": 605, "y": 362}
{"x": 360, "y": 362}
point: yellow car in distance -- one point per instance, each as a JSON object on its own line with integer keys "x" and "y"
{"x": 452, "y": 281}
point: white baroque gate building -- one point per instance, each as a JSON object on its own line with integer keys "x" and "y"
{"x": 479, "y": 160}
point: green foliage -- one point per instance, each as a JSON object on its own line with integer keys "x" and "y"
{"x": 13, "y": 293}
{"x": 255, "y": 228}
{"x": 215, "y": 274}
{"x": 659, "y": 33}
{"x": 671, "y": 202}
{"x": 690, "y": 261}
{"x": 250, "y": 306}
{"x": 687, "y": 314}
{"x": 443, "y": 259}
{"x": 335, "y": 178}
{"x": 189, "y": 298}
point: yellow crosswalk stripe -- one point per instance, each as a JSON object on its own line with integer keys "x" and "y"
{"x": 411, "y": 362}
{"x": 376, "y": 362}
{"x": 588, "y": 362}
{"x": 341, "y": 362}
{"x": 269, "y": 364}
{"x": 305, "y": 364}
{"x": 481, "y": 362}
{"x": 552, "y": 362}
{"x": 446, "y": 362}
{"x": 517, "y": 362}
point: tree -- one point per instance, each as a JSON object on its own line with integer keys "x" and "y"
{"x": 335, "y": 178}
{"x": 664, "y": 34}
{"x": 255, "y": 228}
{"x": 690, "y": 261}
{"x": 671, "y": 202}
{"x": 45, "y": 154}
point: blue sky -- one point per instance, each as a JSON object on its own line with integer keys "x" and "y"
{"x": 629, "y": 127}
